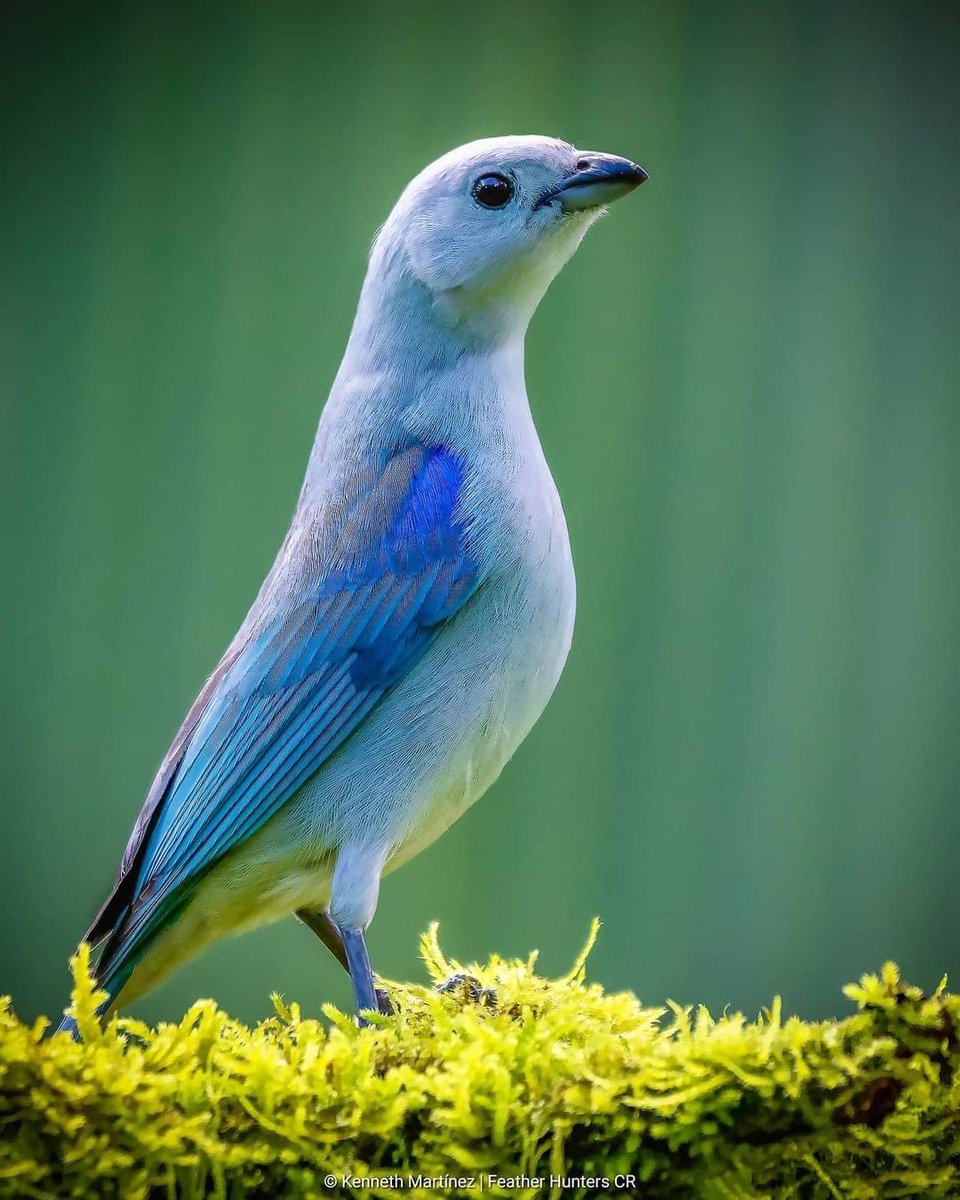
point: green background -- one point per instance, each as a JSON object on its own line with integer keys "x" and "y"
{"x": 747, "y": 387}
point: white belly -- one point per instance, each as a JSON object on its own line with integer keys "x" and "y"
{"x": 512, "y": 645}
{"x": 511, "y": 684}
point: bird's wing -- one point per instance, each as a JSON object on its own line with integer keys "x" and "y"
{"x": 397, "y": 566}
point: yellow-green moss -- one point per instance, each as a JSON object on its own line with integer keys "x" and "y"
{"x": 534, "y": 1077}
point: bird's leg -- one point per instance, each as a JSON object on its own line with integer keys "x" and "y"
{"x": 326, "y": 929}
{"x": 353, "y": 901}
{"x": 361, "y": 973}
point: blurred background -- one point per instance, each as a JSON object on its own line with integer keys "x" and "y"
{"x": 746, "y": 385}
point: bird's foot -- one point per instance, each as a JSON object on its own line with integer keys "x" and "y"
{"x": 468, "y": 990}
{"x": 384, "y": 1008}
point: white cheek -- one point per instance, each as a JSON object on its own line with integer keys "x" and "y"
{"x": 456, "y": 243}
{"x": 500, "y": 257}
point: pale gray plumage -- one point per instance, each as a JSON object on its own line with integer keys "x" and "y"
{"x": 420, "y": 611}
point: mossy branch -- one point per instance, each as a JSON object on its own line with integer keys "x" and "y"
{"x": 503, "y": 1073}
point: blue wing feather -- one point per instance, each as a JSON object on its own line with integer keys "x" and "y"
{"x": 401, "y": 567}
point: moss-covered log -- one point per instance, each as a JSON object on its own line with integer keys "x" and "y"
{"x": 525, "y": 1085}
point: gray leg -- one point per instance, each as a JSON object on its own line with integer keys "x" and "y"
{"x": 324, "y": 926}
{"x": 353, "y": 901}
{"x": 360, "y": 971}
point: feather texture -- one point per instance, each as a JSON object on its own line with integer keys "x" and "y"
{"x": 420, "y": 611}
{"x": 401, "y": 566}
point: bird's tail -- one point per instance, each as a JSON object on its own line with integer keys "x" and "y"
{"x": 106, "y": 980}
{"x": 69, "y": 1025}
{"x": 123, "y": 942}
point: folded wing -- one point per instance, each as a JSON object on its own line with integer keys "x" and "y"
{"x": 395, "y": 565}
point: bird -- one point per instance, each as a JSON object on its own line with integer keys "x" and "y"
{"x": 421, "y": 607}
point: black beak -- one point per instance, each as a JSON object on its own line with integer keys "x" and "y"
{"x": 598, "y": 179}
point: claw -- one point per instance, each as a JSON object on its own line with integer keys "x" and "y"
{"x": 468, "y": 989}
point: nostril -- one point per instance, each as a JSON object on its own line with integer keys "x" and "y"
{"x": 584, "y": 164}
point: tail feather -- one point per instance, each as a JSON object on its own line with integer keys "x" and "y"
{"x": 107, "y": 980}
{"x": 69, "y": 1024}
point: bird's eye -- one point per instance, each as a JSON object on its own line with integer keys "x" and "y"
{"x": 493, "y": 191}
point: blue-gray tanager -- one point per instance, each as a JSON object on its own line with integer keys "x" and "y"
{"x": 420, "y": 610}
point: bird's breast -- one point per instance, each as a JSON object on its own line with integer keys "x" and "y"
{"x": 505, "y": 654}
{"x": 531, "y": 586}
{"x": 440, "y": 736}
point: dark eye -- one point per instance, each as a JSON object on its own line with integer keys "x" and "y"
{"x": 493, "y": 191}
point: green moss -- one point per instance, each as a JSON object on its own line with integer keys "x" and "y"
{"x": 534, "y": 1077}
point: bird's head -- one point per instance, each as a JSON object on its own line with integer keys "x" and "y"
{"x": 484, "y": 229}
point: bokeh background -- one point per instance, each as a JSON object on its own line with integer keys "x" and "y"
{"x": 747, "y": 387}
